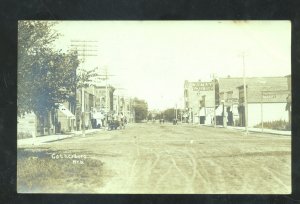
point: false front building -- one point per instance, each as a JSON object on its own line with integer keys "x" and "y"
{"x": 267, "y": 100}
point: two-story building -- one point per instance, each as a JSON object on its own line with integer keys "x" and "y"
{"x": 199, "y": 98}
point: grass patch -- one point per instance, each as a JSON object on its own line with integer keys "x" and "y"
{"x": 275, "y": 125}
{"x": 24, "y": 135}
{"x": 42, "y": 172}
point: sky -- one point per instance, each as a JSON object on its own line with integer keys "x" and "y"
{"x": 152, "y": 59}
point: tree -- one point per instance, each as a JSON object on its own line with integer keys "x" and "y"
{"x": 140, "y": 109}
{"x": 45, "y": 76}
{"x": 170, "y": 114}
{"x": 150, "y": 117}
{"x": 158, "y": 116}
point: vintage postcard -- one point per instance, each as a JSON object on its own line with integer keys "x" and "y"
{"x": 154, "y": 107}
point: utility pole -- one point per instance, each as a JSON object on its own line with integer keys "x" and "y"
{"x": 181, "y": 115}
{"x": 84, "y": 48}
{"x": 176, "y": 112}
{"x": 262, "y": 113}
{"x": 106, "y": 92}
{"x": 101, "y": 77}
{"x": 214, "y": 87}
{"x": 118, "y": 98}
{"x": 245, "y": 95}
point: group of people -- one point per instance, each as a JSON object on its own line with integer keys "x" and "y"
{"x": 114, "y": 121}
{"x": 110, "y": 120}
{"x": 161, "y": 120}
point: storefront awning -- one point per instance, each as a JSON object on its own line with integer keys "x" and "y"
{"x": 66, "y": 111}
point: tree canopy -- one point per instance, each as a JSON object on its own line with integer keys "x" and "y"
{"x": 45, "y": 76}
{"x": 170, "y": 114}
{"x": 140, "y": 109}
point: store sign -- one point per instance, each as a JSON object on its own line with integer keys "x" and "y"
{"x": 203, "y": 86}
{"x": 270, "y": 96}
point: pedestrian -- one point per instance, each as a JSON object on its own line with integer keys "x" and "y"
{"x": 122, "y": 125}
{"x": 125, "y": 119}
{"x": 59, "y": 127}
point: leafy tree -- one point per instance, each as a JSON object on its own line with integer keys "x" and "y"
{"x": 45, "y": 76}
{"x": 150, "y": 117}
{"x": 169, "y": 114}
{"x": 85, "y": 77}
{"x": 140, "y": 109}
{"x": 158, "y": 116}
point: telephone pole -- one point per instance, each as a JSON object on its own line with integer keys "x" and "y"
{"x": 214, "y": 87}
{"x": 176, "y": 111}
{"x": 245, "y": 94}
{"x": 84, "y": 48}
{"x": 101, "y": 77}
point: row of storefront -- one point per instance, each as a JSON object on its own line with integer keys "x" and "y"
{"x": 268, "y": 99}
{"x": 92, "y": 107}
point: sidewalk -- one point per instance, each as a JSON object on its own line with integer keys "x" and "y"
{"x": 50, "y": 138}
{"x": 259, "y": 130}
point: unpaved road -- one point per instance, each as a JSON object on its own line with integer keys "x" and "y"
{"x": 153, "y": 158}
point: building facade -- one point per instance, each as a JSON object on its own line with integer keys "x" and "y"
{"x": 228, "y": 100}
{"x": 267, "y": 99}
{"x": 124, "y": 105}
{"x": 199, "y": 101}
{"x": 104, "y": 98}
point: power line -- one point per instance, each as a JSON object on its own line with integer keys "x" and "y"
{"x": 245, "y": 93}
{"x": 84, "y": 52}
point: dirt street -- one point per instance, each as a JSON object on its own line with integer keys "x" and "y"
{"x": 154, "y": 158}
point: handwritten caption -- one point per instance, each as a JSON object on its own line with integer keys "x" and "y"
{"x": 76, "y": 158}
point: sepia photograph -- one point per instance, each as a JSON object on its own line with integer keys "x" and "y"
{"x": 154, "y": 107}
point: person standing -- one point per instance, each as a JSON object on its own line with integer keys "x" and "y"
{"x": 122, "y": 121}
{"x": 125, "y": 120}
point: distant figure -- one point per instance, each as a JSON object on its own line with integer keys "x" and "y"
{"x": 58, "y": 127}
{"x": 174, "y": 121}
{"x": 102, "y": 122}
{"x": 122, "y": 123}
